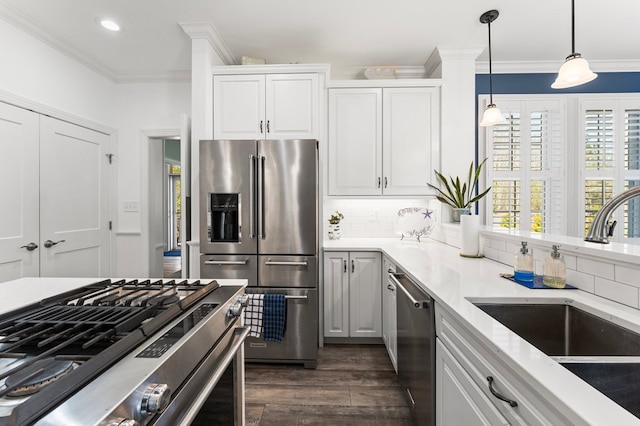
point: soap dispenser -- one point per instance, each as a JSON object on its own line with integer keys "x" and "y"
{"x": 523, "y": 270}
{"x": 554, "y": 271}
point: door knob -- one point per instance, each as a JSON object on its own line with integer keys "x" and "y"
{"x": 50, "y": 243}
{"x": 30, "y": 246}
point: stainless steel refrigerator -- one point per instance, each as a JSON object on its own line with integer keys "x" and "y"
{"x": 259, "y": 221}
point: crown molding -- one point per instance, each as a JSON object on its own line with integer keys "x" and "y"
{"x": 164, "y": 77}
{"x": 433, "y": 65}
{"x": 206, "y": 30}
{"x": 526, "y": 67}
{"x": 29, "y": 26}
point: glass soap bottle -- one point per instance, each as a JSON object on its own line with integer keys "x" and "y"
{"x": 554, "y": 270}
{"x": 523, "y": 270}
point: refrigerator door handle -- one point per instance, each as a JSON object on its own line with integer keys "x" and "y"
{"x": 252, "y": 190}
{"x": 261, "y": 230}
{"x": 283, "y": 263}
{"x": 226, "y": 262}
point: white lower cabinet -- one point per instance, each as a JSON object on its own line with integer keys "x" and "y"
{"x": 389, "y": 312}
{"x": 352, "y": 294}
{"x": 459, "y": 401}
{"x": 466, "y": 395}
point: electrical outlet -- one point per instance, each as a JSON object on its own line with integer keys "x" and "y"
{"x": 130, "y": 206}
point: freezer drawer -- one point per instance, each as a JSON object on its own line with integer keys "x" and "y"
{"x": 288, "y": 271}
{"x": 242, "y": 266}
{"x": 300, "y": 343}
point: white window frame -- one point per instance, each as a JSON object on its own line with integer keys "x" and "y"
{"x": 526, "y": 104}
{"x": 575, "y": 174}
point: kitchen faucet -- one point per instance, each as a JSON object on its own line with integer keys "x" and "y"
{"x": 600, "y": 228}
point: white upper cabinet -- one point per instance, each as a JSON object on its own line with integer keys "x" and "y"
{"x": 271, "y": 106}
{"x": 355, "y": 141}
{"x": 410, "y": 129}
{"x": 383, "y": 141}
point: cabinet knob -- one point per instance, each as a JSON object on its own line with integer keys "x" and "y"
{"x": 385, "y": 182}
{"x": 345, "y": 266}
{"x": 379, "y": 181}
{"x": 261, "y": 131}
{"x": 353, "y": 266}
{"x": 268, "y": 127}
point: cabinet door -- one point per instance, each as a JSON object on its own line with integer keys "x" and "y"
{"x": 365, "y": 295}
{"x": 410, "y": 139}
{"x": 19, "y": 188}
{"x": 458, "y": 399}
{"x": 292, "y": 106}
{"x": 336, "y": 294}
{"x": 355, "y": 142}
{"x": 239, "y": 107}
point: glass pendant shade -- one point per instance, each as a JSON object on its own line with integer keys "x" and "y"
{"x": 574, "y": 72}
{"x": 492, "y": 116}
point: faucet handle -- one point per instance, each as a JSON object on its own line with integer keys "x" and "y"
{"x": 611, "y": 227}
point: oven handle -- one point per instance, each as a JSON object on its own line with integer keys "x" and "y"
{"x": 226, "y": 262}
{"x": 241, "y": 335}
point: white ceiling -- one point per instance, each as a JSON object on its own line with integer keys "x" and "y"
{"x": 348, "y": 34}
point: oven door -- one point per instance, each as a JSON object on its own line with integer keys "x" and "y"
{"x": 215, "y": 391}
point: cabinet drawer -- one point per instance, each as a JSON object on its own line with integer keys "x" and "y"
{"x": 480, "y": 364}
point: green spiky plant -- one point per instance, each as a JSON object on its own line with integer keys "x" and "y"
{"x": 458, "y": 194}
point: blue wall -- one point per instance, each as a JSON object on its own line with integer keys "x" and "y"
{"x": 536, "y": 83}
{"x": 607, "y": 82}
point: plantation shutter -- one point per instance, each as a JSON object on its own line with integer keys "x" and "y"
{"x": 527, "y": 155}
{"x": 632, "y": 170}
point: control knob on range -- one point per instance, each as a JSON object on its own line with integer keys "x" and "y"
{"x": 235, "y": 310}
{"x": 155, "y": 399}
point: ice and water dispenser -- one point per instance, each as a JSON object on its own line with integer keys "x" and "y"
{"x": 223, "y": 218}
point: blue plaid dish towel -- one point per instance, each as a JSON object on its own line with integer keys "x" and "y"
{"x": 274, "y": 318}
{"x": 253, "y": 314}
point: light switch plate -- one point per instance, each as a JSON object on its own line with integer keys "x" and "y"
{"x": 130, "y": 206}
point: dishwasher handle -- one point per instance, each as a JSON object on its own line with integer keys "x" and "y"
{"x": 418, "y": 304}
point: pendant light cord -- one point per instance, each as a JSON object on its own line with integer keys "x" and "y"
{"x": 490, "y": 70}
{"x": 573, "y": 27}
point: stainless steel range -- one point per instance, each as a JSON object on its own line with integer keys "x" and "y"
{"x": 130, "y": 352}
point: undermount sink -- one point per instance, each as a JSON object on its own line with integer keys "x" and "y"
{"x": 618, "y": 380}
{"x": 564, "y": 330}
{"x": 603, "y": 354}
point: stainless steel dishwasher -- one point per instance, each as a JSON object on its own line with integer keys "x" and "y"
{"x": 416, "y": 347}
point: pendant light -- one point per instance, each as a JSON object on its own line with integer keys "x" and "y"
{"x": 575, "y": 71}
{"x": 492, "y": 114}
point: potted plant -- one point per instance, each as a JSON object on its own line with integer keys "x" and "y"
{"x": 457, "y": 194}
{"x": 334, "y": 225}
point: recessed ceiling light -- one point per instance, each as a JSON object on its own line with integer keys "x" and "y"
{"x": 110, "y": 25}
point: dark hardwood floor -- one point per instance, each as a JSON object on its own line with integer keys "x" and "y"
{"x": 352, "y": 385}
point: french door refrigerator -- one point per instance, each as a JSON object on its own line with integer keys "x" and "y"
{"x": 259, "y": 221}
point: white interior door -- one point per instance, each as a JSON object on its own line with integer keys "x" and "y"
{"x": 74, "y": 200}
{"x": 19, "y": 225}
{"x": 185, "y": 194}
{"x": 157, "y": 207}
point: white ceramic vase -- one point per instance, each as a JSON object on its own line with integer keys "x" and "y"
{"x": 334, "y": 231}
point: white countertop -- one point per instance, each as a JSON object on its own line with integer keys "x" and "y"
{"x": 452, "y": 280}
{"x": 17, "y": 293}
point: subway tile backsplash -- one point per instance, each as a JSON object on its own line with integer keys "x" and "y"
{"x": 619, "y": 282}
{"x": 369, "y": 218}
